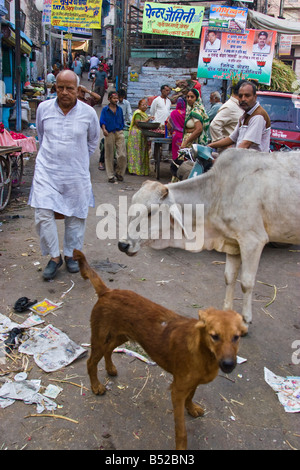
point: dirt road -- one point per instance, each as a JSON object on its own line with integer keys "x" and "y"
{"x": 242, "y": 411}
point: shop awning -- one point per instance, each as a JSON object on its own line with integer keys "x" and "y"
{"x": 10, "y": 39}
{"x": 261, "y": 21}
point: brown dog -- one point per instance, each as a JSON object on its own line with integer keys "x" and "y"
{"x": 192, "y": 350}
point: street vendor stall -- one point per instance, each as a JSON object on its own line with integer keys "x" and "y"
{"x": 158, "y": 142}
{"x": 27, "y": 144}
{"x": 11, "y": 169}
{"x": 12, "y": 151}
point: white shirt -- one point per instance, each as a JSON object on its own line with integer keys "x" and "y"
{"x": 255, "y": 132}
{"x": 264, "y": 50}
{"x": 213, "y": 45}
{"x": 94, "y": 61}
{"x": 62, "y": 179}
{"x": 160, "y": 109}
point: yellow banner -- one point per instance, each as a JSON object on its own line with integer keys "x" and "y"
{"x": 172, "y": 20}
{"x": 76, "y": 13}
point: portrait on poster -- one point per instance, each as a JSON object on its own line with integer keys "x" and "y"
{"x": 262, "y": 42}
{"x": 213, "y": 40}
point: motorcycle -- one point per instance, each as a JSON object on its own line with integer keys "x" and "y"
{"x": 199, "y": 160}
{"x": 92, "y": 73}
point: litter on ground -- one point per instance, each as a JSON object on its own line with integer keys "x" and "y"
{"x": 287, "y": 389}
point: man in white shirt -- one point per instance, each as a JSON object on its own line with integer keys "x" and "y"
{"x": 161, "y": 105}
{"x": 261, "y": 47}
{"x": 253, "y": 130}
{"x": 94, "y": 61}
{"x": 213, "y": 42}
{"x": 227, "y": 116}
{"x": 68, "y": 132}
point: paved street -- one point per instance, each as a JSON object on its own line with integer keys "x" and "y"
{"x": 242, "y": 411}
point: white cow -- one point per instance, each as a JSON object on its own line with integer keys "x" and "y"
{"x": 249, "y": 199}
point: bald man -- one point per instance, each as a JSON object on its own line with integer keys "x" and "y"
{"x": 68, "y": 132}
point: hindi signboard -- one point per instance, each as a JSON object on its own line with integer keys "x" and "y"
{"x": 172, "y": 20}
{"x": 76, "y": 13}
{"x": 229, "y": 55}
{"x": 285, "y": 44}
{"x": 227, "y": 19}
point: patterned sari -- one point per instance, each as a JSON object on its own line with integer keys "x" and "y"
{"x": 137, "y": 150}
{"x": 197, "y": 112}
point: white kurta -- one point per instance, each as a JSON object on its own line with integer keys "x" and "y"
{"x": 62, "y": 179}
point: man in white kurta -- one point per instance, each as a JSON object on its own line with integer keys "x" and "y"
{"x": 68, "y": 132}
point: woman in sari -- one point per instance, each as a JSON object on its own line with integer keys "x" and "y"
{"x": 196, "y": 121}
{"x": 137, "y": 151}
{"x": 176, "y": 125}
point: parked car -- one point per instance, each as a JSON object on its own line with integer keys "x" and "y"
{"x": 284, "y": 112}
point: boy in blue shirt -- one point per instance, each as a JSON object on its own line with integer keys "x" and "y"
{"x": 112, "y": 125}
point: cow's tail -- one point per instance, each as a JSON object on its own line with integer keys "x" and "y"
{"x": 88, "y": 273}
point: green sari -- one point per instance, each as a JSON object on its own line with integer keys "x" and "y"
{"x": 197, "y": 112}
{"x": 137, "y": 149}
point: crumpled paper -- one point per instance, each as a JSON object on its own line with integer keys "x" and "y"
{"x": 287, "y": 389}
{"x": 52, "y": 349}
{"x": 26, "y": 391}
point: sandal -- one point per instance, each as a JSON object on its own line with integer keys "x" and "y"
{"x": 101, "y": 167}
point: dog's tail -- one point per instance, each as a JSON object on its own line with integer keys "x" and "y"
{"x": 88, "y": 273}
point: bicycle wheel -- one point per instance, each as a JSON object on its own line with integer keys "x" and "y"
{"x": 16, "y": 169}
{"x": 5, "y": 181}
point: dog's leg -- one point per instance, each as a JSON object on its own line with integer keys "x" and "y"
{"x": 178, "y": 400}
{"x": 92, "y": 363}
{"x": 109, "y": 365}
{"x": 193, "y": 409}
{"x": 110, "y": 346}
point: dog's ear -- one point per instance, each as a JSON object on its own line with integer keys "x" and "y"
{"x": 202, "y": 319}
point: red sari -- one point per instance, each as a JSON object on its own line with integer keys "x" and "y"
{"x": 176, "y": 120}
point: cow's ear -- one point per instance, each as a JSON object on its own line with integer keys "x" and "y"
{"x": 164, "y": 192}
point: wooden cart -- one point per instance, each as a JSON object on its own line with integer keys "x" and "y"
{"x": 11, "y": 172}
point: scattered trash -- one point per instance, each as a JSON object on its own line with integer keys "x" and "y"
{"x": 52, "y": 415}
{"x": 12, "y": 341}
{"x": 64, "y": 293}
{"x": 45, "y": 307}
{"x": 274, "y": 295}
{"x": 70, "y": 383}
{"x": 134, "y": 354}
{"x": 162, "y": 282}
{"x": 287, "y": 389}
{"x": 21, "y": 376}
{"x": 240, "y": 360}
{"x": 28, "y": 392}
{"x": 6, "y": 325}
{"x": 52, "y": 391}
{"x": 109, "y": 266}
{"x": 31, "y": 321}
{"x": 23, "y": 304}
{"x": 52, "y": 349}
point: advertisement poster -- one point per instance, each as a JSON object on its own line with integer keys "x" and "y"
{"x": 46, "y": 17}
{"x": 228, "y": 19}
{"x": 76, "y": 14}
{"x": 226, "y": 55}
{"x": 285, "y": 44}
{"x": 172, "y": 20}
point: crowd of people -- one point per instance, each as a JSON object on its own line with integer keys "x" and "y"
{"x": 61, "y": 185}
